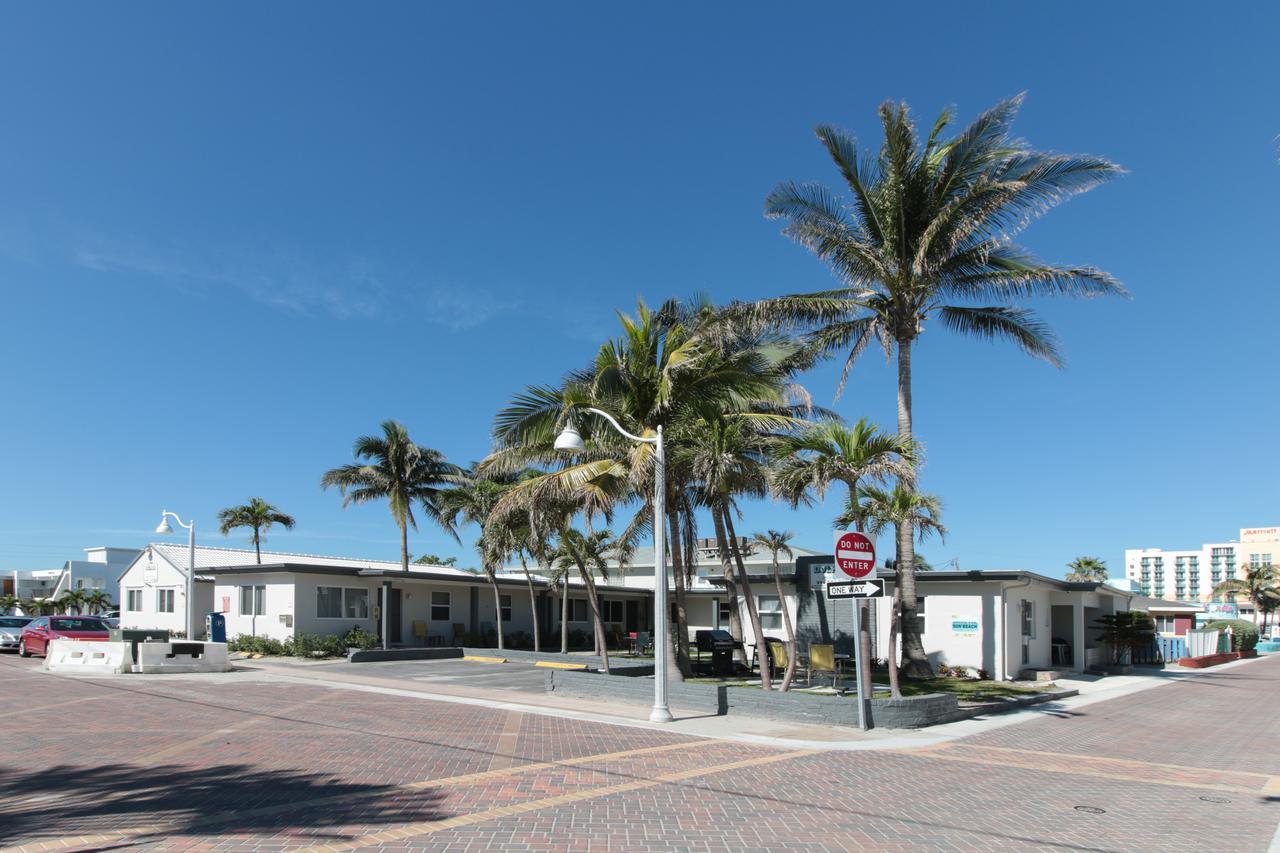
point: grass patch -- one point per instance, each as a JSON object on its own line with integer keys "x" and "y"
{"x": 962, "y": 687}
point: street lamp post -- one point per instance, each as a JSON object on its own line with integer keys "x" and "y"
{"x": 570, "y": 440}
{"x": 164, "y": 528}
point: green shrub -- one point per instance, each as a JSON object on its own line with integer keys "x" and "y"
{"x": 256, "y": 645}
{"x": 1244, "y": 634}
{"x": 359, "y": 638}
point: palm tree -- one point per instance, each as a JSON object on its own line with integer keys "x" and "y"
{"x": 72, "y": 599}
{"x": 472, "y": 500}
{"x": 1260, "y": 585}
{"x": 398, "y": 471}
{"x": 778, "y": 542}
{"x": 828, "y": 452}
{"x": 97, "y": 600}
{"x": 929, "y": 235}
{"x": 257, "y": 515}
{"x": 902, "y": 507}
{"x": 1087, "y": 570}
{"x": 589, "y": 553}
{"x": 8, "y": 603}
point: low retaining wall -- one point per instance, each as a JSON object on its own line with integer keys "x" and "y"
{"x": 1213, "y": 660}
{"x": 708, "y": 698}
{"x": 371, "y": 655}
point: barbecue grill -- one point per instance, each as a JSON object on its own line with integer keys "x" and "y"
{"x": 721, "y": 645}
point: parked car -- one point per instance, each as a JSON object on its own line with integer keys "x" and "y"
{"x": 109, "y": 615}
{"x": 37, "y": 633}
{"x": 110, "y": 621}
{"x": 10, "y": 630}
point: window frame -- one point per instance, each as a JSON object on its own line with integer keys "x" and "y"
{"x": 129, "y": 601}
{"x": 166, "y": 595}
{"x": 774, "y": 614}
{"x": 504, "y": 601}
{"x": 1027, "y": 618}
{"x": 369, "y": 597}
{"x": 574, "y": 604}
{"x": 447, "y": 606}
{"x": 921, "y": 622}
{"x": 257, "y": 599}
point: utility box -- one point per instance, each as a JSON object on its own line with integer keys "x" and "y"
{"x": 215, "y": 627}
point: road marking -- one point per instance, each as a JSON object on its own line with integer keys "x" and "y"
{"x": 38, "y": 708}
{"x": 220, "y": 818}
{"x": 1079, "y": 765}
{"x": 1109, "y": 760}
{"x": 504, "y": 752}
{"x": 218, "y": 734}
{"x": 419, "y": 828}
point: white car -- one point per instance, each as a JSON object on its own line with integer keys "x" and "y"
{"x": 11, "y": 630}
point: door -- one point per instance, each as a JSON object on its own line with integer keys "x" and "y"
{"x": 393, "y": 617}
{"x": 633, "y": 616}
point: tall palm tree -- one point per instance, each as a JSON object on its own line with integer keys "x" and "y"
{"x": 900, "y": 508}
{"x": 929, "y": 235}
{"x": 778, "y": 542}
{"x": 257, "y": 515}
{"x": 811, "y": 461}
{"x": 1260, "y": 585}
{"x": 398, "y": 471}
{"x": 1087, "y": 570}
{"x": 97, "y": 600}
{"x": 589, "y": 553}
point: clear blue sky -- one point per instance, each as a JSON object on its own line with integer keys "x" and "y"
{"x": 235, "y": 236}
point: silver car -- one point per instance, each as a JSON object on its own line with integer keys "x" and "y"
{"x": 10, "y": 630}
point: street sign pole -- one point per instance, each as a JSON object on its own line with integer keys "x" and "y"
{"x": 857, "y": 663}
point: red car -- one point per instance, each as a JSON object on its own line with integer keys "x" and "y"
{"x": 38, "y": 632}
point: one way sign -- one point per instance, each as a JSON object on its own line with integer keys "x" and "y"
{"x": 859, "y": 589}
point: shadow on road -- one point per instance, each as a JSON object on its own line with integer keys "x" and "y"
{"x": 168, "y": 800}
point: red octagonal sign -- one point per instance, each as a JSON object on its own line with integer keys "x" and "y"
{"x": 855, "y": 554}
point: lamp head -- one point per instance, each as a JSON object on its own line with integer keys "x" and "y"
{"x": 163, "y": 526}
{"x": 570, "y": 440}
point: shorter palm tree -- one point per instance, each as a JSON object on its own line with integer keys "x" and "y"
{"x": 1087, "y": 570}
{"x": 97, "y": 600}
{"x": 778, "y": 542}
{"x": 900, "y": 508}
{"x": 8, "y": 603}
{"x": 257, "y": 515}
{"x": 72, "y": 599}
{"x": 589, "y": 553}
{"x": 1260, "y": 585}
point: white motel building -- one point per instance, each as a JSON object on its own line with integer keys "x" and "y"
{"x": 1191, "y": 575}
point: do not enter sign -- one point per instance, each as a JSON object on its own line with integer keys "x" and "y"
{"x": 855, "y": 555}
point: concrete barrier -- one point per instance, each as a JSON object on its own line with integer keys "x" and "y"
{"x": 418, "y": 653}
{"x": 181, "y": 656}
{"x": 87, "y": 657}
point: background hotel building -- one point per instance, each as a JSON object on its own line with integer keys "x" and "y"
{"x": 1191, "y": 575}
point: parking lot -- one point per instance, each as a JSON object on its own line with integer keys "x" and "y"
{"x": 515, "y": 676}
{"x": 264, "y": 761}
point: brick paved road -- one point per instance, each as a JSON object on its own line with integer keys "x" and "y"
{"x": 269, "y": 765}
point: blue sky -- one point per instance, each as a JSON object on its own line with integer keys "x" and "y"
{"x": 234, "y": 237}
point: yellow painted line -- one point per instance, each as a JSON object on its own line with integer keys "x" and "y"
{"x": 481, "y": 659}
{"x": 1073, "y": 767}
{"x": 412, "y": 830}
{"x": 555, "y": 664}
{"x": 38, "y": 708}
{"x": 1272, "y": 788}
{"x": 462, "y": 780}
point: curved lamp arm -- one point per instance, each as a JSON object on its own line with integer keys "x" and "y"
{"x": 608, "y": 417}
{"x": 166, "y": 512}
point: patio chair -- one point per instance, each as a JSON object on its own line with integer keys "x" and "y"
{"x": 420, "y": 631}
{"x": 777, "y": 657}
{"x": 459, "y": 633}
{"x": 822, "y": 659}
{"x": 643, "y": 642}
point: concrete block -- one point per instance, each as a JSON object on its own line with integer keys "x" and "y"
{"x": 180, "y": 656}
{"x": 88, "y": 657}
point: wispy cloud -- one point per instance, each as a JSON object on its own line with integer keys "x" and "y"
{"x": 460, "y": 308}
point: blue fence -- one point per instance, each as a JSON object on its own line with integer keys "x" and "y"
{"x": 1163, "y": 650}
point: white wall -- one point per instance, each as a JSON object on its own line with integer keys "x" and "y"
{"x": 278, "y": 602}
{"x": 150, "y": 573}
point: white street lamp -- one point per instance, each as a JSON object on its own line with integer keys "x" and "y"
{"x": 571, "y": 440}
{"x": 163, "y": 528}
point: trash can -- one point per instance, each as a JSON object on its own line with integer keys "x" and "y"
{"x": 215, "y": 627}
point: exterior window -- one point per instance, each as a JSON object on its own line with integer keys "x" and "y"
{"x": 725, "y": 612}
{"x": 133, "y": 600}
{"x": 1164, "y": 624}
{"x": 770, "y": 610}
{"x": 328, "y": 602}
{"x": 440, "y": 606}
{"x": 356, "y": 603}
{"x": 920, "y": 614}
{"x": 164, "y": 601}
{"x": 612, "y": 611}
{"x": 253, "y": 600}
{"x": 578, "y": 610}
{"x": 1028, "y": 618}
{"x": 506, "y": 607}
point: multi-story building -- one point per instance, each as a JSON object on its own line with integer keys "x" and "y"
{"x": 1191, "y": 575}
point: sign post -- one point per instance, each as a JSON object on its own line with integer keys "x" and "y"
{"x": 856, "y": 557}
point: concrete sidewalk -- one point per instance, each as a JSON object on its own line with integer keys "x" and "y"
{"x": 365, "y": 678}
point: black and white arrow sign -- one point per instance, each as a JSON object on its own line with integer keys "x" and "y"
{"x": 859, "y": 589}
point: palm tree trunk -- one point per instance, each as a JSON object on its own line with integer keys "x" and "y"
{"x": 404, "y": 545}
{"x": 257, "y": 545}
{"x": 731, "y": 586}
{"x": 533, "y": 604}
{"x": 602, "y": 648}
{"x": 497, "y": 608}
{"x": 895, "y": 615}
{"x": 915, "y": 662}
{"x": 791, "y": 631}
{"x": 564, "y": 616}
{"x": 677, "y": 652}
{"x": 762, "y": 650}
